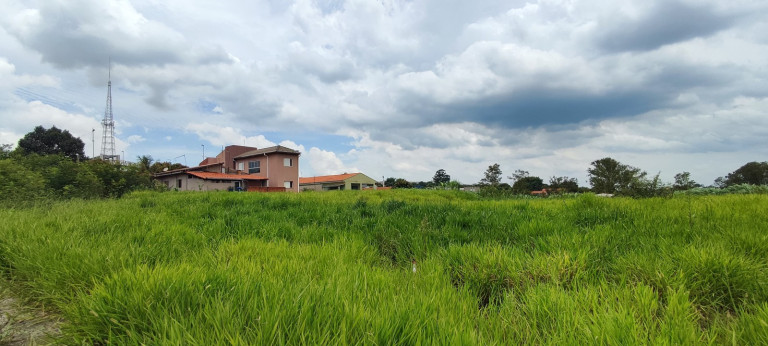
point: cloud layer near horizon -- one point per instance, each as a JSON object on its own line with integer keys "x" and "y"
{"x": 546, "y": 86}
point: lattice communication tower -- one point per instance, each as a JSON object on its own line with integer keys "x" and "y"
{"x": 108, "y": 127}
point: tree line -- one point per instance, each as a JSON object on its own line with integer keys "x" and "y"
{"x": 50, "y": 164}
{"x": 606, "y": 176}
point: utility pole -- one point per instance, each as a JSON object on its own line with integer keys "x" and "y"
{"x": 203, "y": 145}
{"x": 93, "y": 143}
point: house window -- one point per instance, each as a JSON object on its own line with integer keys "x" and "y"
{"x": 223, "y": 169}
{"x": 288, "y": 184}
{"x": 254, "y": 167}
{"x": 240, "y": 166}
{"x": 178, "y": 183}
{"x": 238, "y": 185}
{"x": 355, "y": 186}
{"x": 288, "y": 162}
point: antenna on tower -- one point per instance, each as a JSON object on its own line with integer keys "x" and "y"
{"x": 108, "y": 125}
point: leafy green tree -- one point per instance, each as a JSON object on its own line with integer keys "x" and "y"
{"x": 519, "y": 174}
{"x": 683, "y": 182}
{"x": 144, "y": 162}
{"x": 5, "y": 151}
{"x": 527, "y": 184}
{"x": 643, "y": 187}
{"x": 441, "y": 177}
{"x": 52, "y": 141}
{"x": 752, "y": 173}
{"x": 610, "y": 176}
{"x": 563, "y": 184}
{"x": 390, "y": 182}
{"x": 158, "y": 167}
{"x": 492, "y": 176}
{"x": 401, "y": 183}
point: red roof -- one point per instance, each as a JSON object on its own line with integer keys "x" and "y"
{"x": 223, "y": 176}
{"x": 326, "y": 178}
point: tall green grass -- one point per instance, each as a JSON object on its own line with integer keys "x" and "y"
{"x": 335, "y": 268}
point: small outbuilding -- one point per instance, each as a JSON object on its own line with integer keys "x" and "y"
{"x": 346, "y": 181}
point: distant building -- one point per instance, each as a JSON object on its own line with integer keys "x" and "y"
{"x": 346, "y": 181}
{"x": 239, "y": 168}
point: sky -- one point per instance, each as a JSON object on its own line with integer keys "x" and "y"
{"x": 400, "y": 88}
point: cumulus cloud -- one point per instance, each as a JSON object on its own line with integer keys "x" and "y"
{"x": 81, "y": 33}
{"x": 226, "y": 135}
{"x": 323, "y": 162}
{"x": 546, "y": 86}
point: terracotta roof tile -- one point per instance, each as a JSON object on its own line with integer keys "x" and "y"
{"x": 224, "y": 176}
{"x": 326, "y": 178}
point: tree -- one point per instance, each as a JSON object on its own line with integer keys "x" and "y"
{"x": 145, "y": 163}
{"x": 441, "y": 177}
{"x": 5, "y": 151}
{"x": 52, "y": 141}
{"x": 753, "y": 173}
{"x": 527, "y": 184}
{"x": 564, "y": 184}
{"x": 519, "y": 174}
{"x": 610, "y": 176}
{"x": 492, "y": 176}
{"x": 158, "y": 167}
{"x": 390, "y": 182}
{"x": 401, "y": 183}
{"x": 683, "y": 181}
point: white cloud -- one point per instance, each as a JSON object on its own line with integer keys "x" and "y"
{"x": 322, "y": 162}
{"x": 415, "y": 86}
{"x": 135, "y": 139}
{"x": 226, "y": 135}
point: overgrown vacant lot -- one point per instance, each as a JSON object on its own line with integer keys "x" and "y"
{"x": 309, "y": 268}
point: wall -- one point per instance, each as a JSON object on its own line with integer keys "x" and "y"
{"x": 195, "y": 184}
{"x": 362, "y": 179}
{"x": 272, "y": 167}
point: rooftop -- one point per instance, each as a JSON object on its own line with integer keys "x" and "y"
{"x": 275, "y": 149}
{"x": 326, "y": 178}
{"x": 224, "y": 176}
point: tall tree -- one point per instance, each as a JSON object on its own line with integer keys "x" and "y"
{"x": 683, "y": 181}
{"x": 401, "y": 183}
{"x": 610, "y": 176}
{"x": 519, "y": 174}
{"x": 144, "y": 163}
{"x": 527, "y": 184}
{"x": 754, "y": 173}
{"x": 52, "y": 142}
{"x": 492, "y": 176}
{"x": 563, "y": 184}
{"x": 441, "y": 177}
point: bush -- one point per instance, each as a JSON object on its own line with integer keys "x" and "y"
{"x": 20, "y": 185}
{"x": 743, "y": 189}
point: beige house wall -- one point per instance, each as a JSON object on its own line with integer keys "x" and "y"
{"x": 196, "y": 184}
{"x": 346, "y": 184}
{"x": 361, "y": 179}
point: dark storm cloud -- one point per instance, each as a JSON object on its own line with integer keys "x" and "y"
{"x": 667, "y": 22}
{"x": 533, "y": 108}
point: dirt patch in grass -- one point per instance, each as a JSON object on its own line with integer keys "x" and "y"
{"x": 21, "y": 324}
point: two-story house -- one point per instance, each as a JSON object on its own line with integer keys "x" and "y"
{"x": 239, "y": 168}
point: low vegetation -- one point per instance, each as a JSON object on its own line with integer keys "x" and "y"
{"x": 310, "y": 268}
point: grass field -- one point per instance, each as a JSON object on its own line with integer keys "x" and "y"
{"x": 335, "y": 268}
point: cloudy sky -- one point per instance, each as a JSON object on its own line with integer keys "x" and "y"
{"x": 400, "y": 88}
